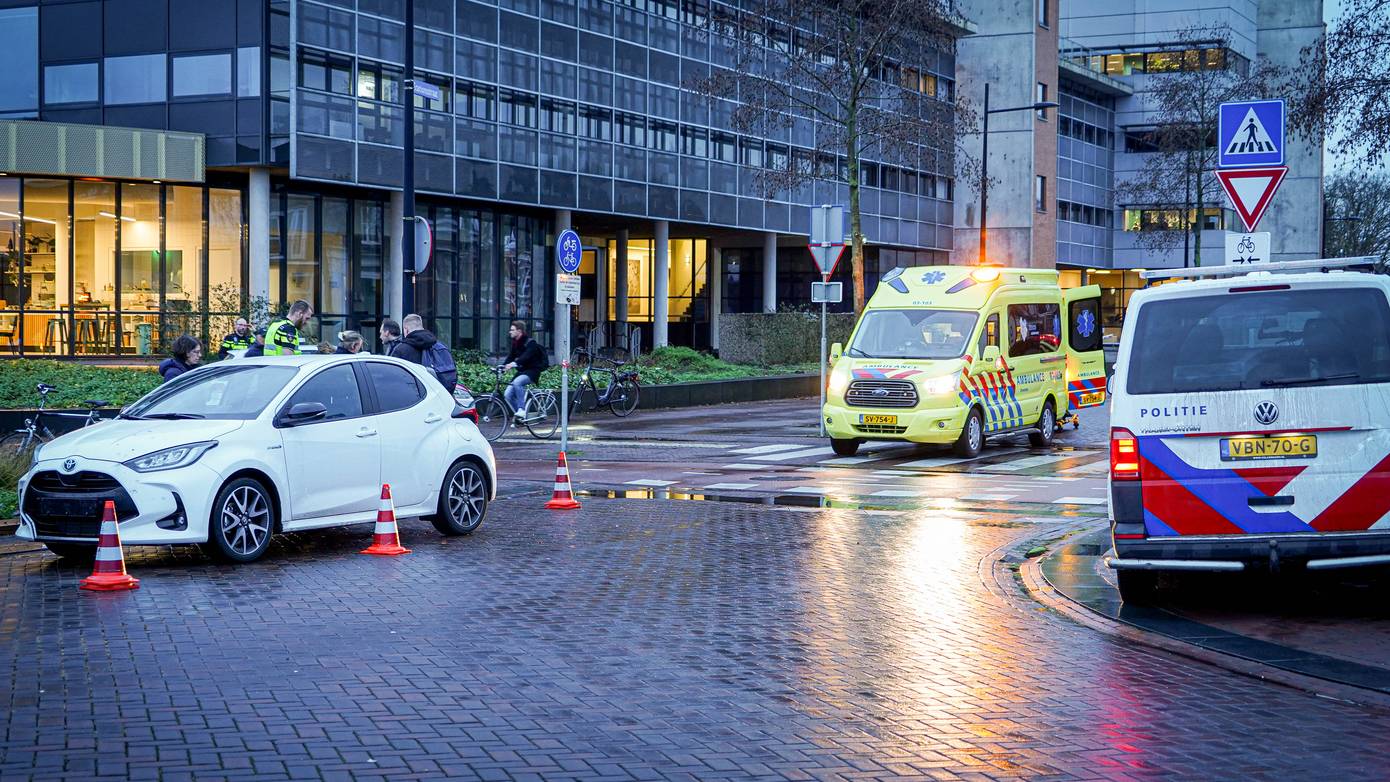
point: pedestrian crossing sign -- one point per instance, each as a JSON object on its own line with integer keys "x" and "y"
{"x": 1251, "y": 133}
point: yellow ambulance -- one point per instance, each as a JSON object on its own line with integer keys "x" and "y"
{"x": 956, "y": 354}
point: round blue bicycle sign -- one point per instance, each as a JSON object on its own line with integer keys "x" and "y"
{"x": 568, "y": 251}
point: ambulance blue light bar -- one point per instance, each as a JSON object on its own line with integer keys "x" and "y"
{"x": 1360, "y": 263}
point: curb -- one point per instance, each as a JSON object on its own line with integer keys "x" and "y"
{"x": 1037, "y": 586}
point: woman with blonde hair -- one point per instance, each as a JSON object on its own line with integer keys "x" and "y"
{"x": 349, "y": 342}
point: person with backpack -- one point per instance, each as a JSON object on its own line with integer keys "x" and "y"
{"x": 528, "y": 358}
{"x": 419, "y": 346}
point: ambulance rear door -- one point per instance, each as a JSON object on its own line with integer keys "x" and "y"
{"x": 1085, "y": 353}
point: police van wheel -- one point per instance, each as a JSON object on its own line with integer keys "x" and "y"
{"x": 1137, "y": 587}
{"x": 846, "y": 447}
{"x": 1047, "y": 427}
{"x": 462, "y": 500}
{"x": 972, "y": 436}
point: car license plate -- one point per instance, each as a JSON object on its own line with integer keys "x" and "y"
{"x": 69, "y": 509}
{"x": 1301, "y": 446}
{"x": 881, "y": 420}
{"x": 1093, "y": 398}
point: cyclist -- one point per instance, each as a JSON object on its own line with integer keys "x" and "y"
{"x": 187, "y": 354}
{"x": 528, "y": 359}
{"x": 238, "y": 339}
{"x": 282, "y": 336}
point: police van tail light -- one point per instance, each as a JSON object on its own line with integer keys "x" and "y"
{"x": 1124, "y": 455}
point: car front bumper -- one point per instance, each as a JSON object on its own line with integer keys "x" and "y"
{"x": 919, "y": 425}
{"x": 157, "y": 508}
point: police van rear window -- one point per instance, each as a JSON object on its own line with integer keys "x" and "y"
{"x": 1261, "y": 340}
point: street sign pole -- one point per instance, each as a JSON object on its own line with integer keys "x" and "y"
{"x": 568, "y": 251}
{"x": 820, "y": 417}
{"x": 827, "y": 245}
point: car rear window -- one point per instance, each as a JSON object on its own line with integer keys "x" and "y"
{"x": 1265, "y": 339}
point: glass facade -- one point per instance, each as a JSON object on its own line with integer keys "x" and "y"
{"x": 1085, "y": 177}
{"x": 92, "y": 267}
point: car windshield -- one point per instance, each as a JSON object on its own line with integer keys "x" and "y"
{"x": 916, "y": 333}
{"x": 234, "y": 391}
{"x": 1261, "y": 339}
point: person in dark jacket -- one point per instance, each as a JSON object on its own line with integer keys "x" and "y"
{"x": 239, "y": 338}
{"x": 390, "y": 334}
{"x": 527, "y": 357}
{"x": 349, "y": 342}
{"x": 188, "y": 353}
{"x": 257, "y": 348}
{"x": 416, "y": 341}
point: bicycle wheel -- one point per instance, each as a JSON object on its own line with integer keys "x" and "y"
{"x": 622, "y": 400}
{"x": 17, "y": 444}
{"x": 492, "y": 417}
{"x": 544, "y": 414}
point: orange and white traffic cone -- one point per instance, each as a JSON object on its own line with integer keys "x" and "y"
{"x": 563, "y": 498}
{"x": 386, "y": 541}
{"x": 108, "y": 571}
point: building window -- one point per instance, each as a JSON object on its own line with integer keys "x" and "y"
{"x": 137, "y": 79}
{"x": 1043, "y": 7}
{"x": 1040, "y": 193}
{"x": 248, "y": 72}
{"x": 19, "y": 60}
{"x": 1042, "y": 98}
{"x": 70, "y": 84}
{"x": 204, "y": 74}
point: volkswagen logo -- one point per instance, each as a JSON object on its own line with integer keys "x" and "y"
{"x": 69, "y": 465}
{"x": 1266, "y": 413}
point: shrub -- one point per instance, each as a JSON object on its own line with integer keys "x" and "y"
{"x": 75, "y": 382}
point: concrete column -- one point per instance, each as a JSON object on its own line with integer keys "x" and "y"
{"x": 715, "y": 268}
{"x": 258, "y": 208}
{"x": 620, "y": 280}
{"x": 600, "y": 294}
{"x": 395, "y": 259}
{"x": 769, "y": 272}
{"x": 661, "y": 284}
{"x": 563, "y": 339}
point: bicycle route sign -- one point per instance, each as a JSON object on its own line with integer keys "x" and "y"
{"x": 568, "y": 251}
{"x": 1247, "y": 249}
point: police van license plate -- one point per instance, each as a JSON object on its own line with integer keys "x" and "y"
{"x": 881, "y": 420}
{"x": 1093, "y": 398}
{"x": 1301, "y": 446}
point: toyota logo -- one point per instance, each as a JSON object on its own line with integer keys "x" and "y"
{"x": 69, "y": 465}
{"x": 1266, "y": 413}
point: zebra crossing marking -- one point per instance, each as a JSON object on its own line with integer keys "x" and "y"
{"x": 789, "y": 455}
{"x": 1080, "y": 501}
{"x": 896, "y": 493}
{"x": 804, "y": 490}
{"x": 773, "y": 448}
{"x": 1030, "y": 462}
{"x": 731, "y": 486}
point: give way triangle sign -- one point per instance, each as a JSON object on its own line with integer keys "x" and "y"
{"x": 1251, "y": 190}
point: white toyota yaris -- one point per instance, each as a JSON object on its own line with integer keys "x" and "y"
{"x": 233, "y": 452}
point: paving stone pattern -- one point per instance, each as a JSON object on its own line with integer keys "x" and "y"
{"x": 630, "y": 640}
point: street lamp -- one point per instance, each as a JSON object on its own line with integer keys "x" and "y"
{"x": 984, "y": 156}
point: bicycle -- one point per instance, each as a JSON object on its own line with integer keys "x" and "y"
{"x": 495, "y": 412}
{"x": 620, "y": 394}
{"x": 36, "y": 432}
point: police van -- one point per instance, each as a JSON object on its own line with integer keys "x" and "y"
{"x": 1250, "y": 422}
{"x": 956, "y": 354}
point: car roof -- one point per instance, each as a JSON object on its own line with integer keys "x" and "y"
{"x": 1190, "y": 287}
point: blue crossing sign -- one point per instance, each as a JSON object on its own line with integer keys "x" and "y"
{"x": 568, "y": 251}
{"x": 1250, "y": 133}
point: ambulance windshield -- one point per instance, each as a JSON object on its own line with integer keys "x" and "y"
{"x": 919, "y": 334}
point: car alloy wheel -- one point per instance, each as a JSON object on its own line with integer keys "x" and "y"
{"x": 243, "y": 521}
{"x": 462, "y": 500}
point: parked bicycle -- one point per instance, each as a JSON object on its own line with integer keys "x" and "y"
{"x": 495, "y": 413}
{"x": 36, "y": 432}
{"x": 620, "y": 394}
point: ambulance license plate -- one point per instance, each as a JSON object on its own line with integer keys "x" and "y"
{"x": 1301, "y": 446}
{"x": 881, "y": 420}
{"x": 1093, "y": 398}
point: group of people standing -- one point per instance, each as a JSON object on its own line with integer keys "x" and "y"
{"x": 408, "y": 340}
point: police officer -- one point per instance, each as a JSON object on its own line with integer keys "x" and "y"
{"x": 282, "y": 336}
{"x": 238, "y": 339}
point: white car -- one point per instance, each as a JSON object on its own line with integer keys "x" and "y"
{"x": 233, "y": 452}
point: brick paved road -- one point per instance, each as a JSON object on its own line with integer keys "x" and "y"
{"x": 630, "y": 640}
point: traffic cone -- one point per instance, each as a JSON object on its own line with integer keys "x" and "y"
{"x": 108, "y": 571}
{"x": 563, "y": 498}
{"x": 386, "y": 541}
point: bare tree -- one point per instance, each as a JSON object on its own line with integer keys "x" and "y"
{"x": 1358, "y": 215}
{"x": 1341, "y": 82}
{"x": 1178, "y": 176}
{"x": 856, "y": 71}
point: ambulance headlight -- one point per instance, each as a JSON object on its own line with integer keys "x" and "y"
{"x": 839, "y": 383}
{"x": 940, "y": 386}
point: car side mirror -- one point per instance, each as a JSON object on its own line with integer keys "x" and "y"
{"x": 990, "y": 358}
{"x": 303, "y": 413}
{"x": 835, "y": 351}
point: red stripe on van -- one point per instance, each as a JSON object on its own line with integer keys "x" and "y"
{"x": 1179, "y": 508}
{"x": 1360, "y": 506}
{"x": 1270, "y": 480}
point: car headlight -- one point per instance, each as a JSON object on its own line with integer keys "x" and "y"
{"x": 940, "y": 386}
{"x": 839, "y": 382}
{"x": 171, "y": 458}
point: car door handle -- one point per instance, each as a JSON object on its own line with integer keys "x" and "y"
{"x": 433, "y": 418}
{"x": 366, "y": 433}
